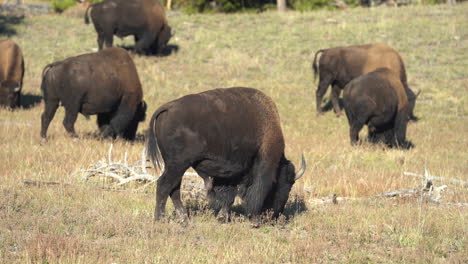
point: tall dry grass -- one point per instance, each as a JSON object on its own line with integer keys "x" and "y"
{"x": 80, "y": 222}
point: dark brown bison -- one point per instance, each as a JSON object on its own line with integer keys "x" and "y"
{"x": 144, "y": 19}
{"x": 378, "y": 100}
{"x": 104, "y": 83}
{"x": 11, "y": 73}
{"x": 232, "y": 138}
{"x": 338, "y": 66}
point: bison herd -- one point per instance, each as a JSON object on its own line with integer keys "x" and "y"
{"x": 231, "y": 137}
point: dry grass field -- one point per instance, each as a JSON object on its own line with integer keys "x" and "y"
{"x": 85, "y": 222}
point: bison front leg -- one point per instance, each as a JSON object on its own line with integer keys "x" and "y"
{"x": 255, "y": 194}
{"x": 401, "y": 122}
{"x": 122, "y": 118}
{"x": 169, "y": 184}
{"x": 47, "y": 116}
{"x": 335, "y": 99}
{"x": 103, "y": 121}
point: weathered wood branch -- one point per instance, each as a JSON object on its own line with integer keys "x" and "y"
{"x": 427, "y": 177}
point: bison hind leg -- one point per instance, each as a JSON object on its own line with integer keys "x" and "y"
{"x": 169, "y": 184}
{"x": 51, "y": 106}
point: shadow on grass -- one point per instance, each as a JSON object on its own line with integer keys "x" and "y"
{"x": 198, "y": 206}
{"x": 96, "y": 135}
{"x": 6, "y": 24}
{"x": 167, "y": 51}
{"x": 30, "y": 100}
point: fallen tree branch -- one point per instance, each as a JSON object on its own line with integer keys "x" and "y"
{"x": 427, "y": 177}
{"x": 39, "y": 183}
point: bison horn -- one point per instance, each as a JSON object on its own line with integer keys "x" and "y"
{"x": 302, "y": 170}
{"x": 418, "y": 94}
{"x": 17, "y": 88}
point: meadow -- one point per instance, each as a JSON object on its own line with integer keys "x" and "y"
{"x": 88, "y": 222}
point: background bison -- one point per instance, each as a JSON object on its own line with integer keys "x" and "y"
{"x": 378, "y": 100}
{"x": 11, "y": 73}
{"x": 230, "y": 137}
{"x": 105, "y": 84}
{"x": 144, "y": 19}
{"x": 338, "y": 66}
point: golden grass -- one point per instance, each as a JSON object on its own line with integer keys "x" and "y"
{"x": 78, "y": 222}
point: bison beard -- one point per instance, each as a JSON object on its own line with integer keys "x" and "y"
{"x": 232, "y": 138}
{"x": 105, "y": 83}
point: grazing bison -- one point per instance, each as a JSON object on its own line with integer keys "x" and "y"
{"x": 338, "y": 66}
{"x": 144, "y": 19}
{"x": 104, "y": 83}
{"x": 378, "y": 100}
{"x": 11, "y": 73}
{"x": 232, "y": 138}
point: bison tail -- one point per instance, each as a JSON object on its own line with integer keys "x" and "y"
{"x": 152, "y": 147}
{"x": 44, "y": 74}
{"x": 86, "y": 17}
{"x": 314, "y": 64}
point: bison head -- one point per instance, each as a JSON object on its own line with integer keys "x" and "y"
{"x": 9, "y": 93}
{"x": 279, "y": 195}
{"x": 163, "y": 38}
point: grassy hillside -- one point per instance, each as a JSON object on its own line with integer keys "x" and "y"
{"x": 80, "y": 222}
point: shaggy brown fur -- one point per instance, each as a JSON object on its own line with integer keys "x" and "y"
{"x": 378, "y": 100}
{"x": 104, "y": 83}
{"x": 11, "y": 73}
{"x": 232, "y": 138}
{"x": 144, "y": 19}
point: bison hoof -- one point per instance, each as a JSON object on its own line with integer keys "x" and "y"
{"x": 43, "y": 141}
{"x": 107, "y": 131}
{"x": 222, "y": 218}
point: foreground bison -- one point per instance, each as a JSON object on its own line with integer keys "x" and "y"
{"x": 232, "y": 138}
{"x": 378, "y": 100}
{"x": 338, "y": 66}
{"x": 11, "y": 73}
{"x": 105, "y": 84}
{"x": 144, "y": 19}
